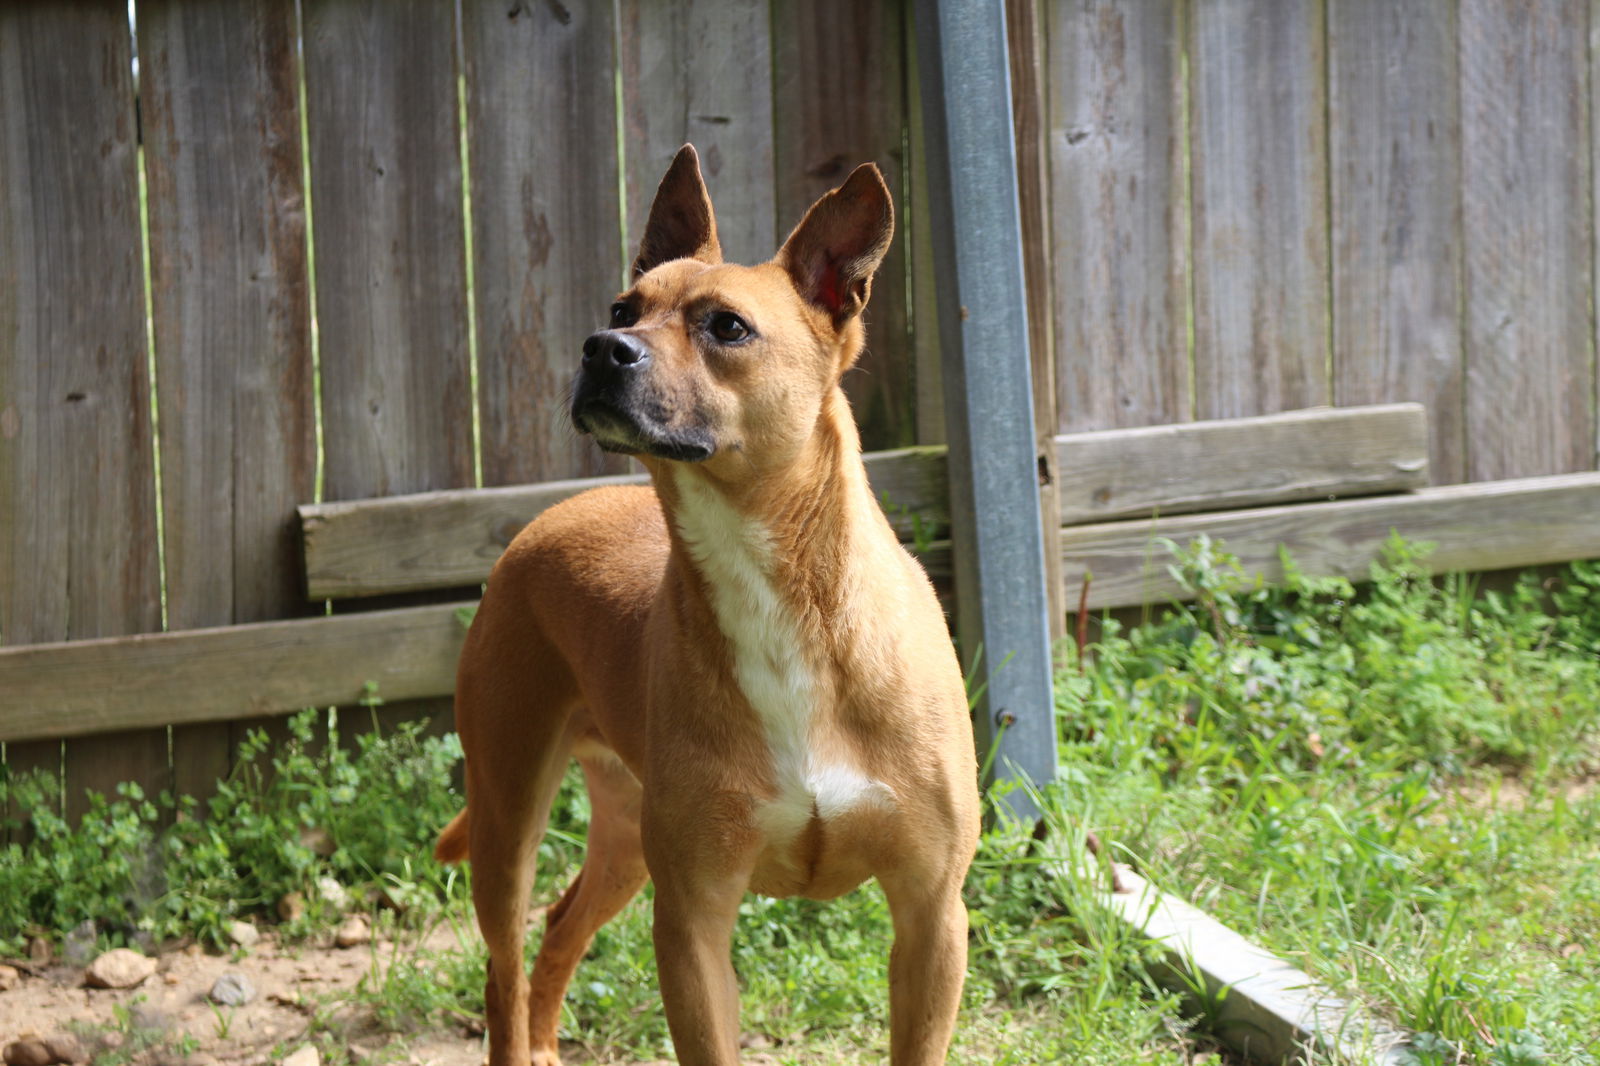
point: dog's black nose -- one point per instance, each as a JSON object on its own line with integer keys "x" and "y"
{"x": 609, "y": 348}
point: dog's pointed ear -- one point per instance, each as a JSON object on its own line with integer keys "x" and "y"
{"x": 834, "y": 251}
{"x": 682, "y": 225}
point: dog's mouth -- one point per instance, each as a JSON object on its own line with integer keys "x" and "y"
{"x": 625, "y": 433}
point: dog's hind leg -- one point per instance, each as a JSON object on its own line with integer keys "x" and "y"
{"x": 613, "y": 872}
{"x": 514, "y": 700}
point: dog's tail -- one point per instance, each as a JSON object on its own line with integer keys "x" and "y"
{"x": 452, "y": 845}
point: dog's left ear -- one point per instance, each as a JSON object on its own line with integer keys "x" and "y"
{"x": 834, "y": 251}
{"x": 681, "y": 224}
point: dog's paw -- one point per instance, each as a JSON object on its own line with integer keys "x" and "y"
{"x": 546, "y": 1058}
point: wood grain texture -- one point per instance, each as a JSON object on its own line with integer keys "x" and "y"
{"x": 78, "y": 553}
{"x": 916, "y": 232}
{"x": 449, "y": 539}
{"x": 232, "y": 321}
{"x": 1213, "y": 466}
{"x": 547, "y": 225}
{"x": 1025, "y": 44}
{"x": 700, "y": 72}
{"x": 1529, "y": 237}
{"x": 1260, "y": 207}
{"x": 390, "y": 260}
{"x": 839, "y": 99}
{"x": 1118, "y": 214}
{"x": 1485, "y": 526}
{"x": 227, "y": 673}
{"x": 1395, "y": 148}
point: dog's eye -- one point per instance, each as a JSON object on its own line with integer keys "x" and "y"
{"x": 622, "y": 315}
{"x": 728, "y": 327}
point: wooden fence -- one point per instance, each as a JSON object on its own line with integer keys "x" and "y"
{"x": 334, "y": 250}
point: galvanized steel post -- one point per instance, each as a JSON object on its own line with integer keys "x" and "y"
{"x": 1002, "y": 626}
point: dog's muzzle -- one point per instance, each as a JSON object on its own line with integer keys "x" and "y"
{"x": 613, "y": 402}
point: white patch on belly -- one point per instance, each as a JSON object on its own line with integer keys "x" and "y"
{"x": 735, "y": 557}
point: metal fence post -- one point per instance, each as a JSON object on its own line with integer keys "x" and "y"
{"x": 1001, "y": 606}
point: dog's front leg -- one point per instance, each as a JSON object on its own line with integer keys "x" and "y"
{"x": 693, "y": 937}
{"x": 927, "y": 966}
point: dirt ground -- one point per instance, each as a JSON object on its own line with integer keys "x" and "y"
{"x": 168, "y": 1019}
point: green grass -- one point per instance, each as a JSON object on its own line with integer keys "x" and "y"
{"x": 1394, "y": 789}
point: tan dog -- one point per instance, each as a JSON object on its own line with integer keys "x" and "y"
{"x": 754, "y": 675}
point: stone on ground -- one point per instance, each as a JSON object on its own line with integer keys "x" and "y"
{"x": 119, "y": 968}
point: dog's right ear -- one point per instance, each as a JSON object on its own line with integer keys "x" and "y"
{"x": 681, "y": 224}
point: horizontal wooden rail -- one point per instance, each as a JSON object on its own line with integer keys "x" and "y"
{"x": 1242, "y": 462}
{"x": 1487, "y": 525}
{"x": 214, "y": 675}
{"x": 450, "y": 539}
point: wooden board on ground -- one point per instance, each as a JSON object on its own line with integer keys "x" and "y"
{"x": 78, "y": 550}
{"x": 211, "y": 675}
{"x": 448, "y": 539}
{"x": 546, "y": 223}
{"x": 1395, "y": 146}
{"x": 1245, "y": 462}
{"x": 1259, "y": 162}
{"x": 1483, "y": 526}
{"x": 232, "y": 322}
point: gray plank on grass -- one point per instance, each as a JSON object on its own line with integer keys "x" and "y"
{"x": 232, "y": 321}
{"x": 1488, "y": 525}
{"x": 839, "y": 99}
{"x": 390, "y": 260}
{"x": 1260, "y": 212}
{"x": 547, "y": 227}
{"x": 78, "y": 553}
{"x": 1318, "y": 454}
{"x": 1529, "y": 237}
{"x": 1119, "y": 215}
{"x": 1395, "y": 147}
{"x": 721, "y": 101}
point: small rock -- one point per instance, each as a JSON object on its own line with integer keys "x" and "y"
{"x": 27, "y": 1053}
{"x": 1569, "y": 950}
{"x": 65, "y": 1049}
{"x": 352, "y": 931}
{"x": 78, "y": 945}
{"x": 292, "y": 907}
{"x": 318, "y": 841}
{"x": 119, "y": 968}
{"x": 332, "y": 893}
{"x": 243, "y": 934}
{"x": 306, "y": 1055}
{"x": 755, "y": 1041}
{"x": 233, "y": 989}
{"x": 10, "y": 977}
{"x": 38, "y": 951}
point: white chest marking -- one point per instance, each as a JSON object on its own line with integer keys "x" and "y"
{"x": 735, "y": 557}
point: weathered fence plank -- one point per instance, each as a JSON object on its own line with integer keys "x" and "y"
{"x": 1395, "y": 146}
{"x": 1119, "y": 215}
{"x": 224, "y": 674}
{"x": 547, "y": 225}
{"x": 839, "y": 99}
{"x": 450, "y": 539}
{"x": 232, "y": 321}
{"x": 1212, "y": 466}
{"x": 1529, "y": 237}
{"x": 78, "y": 552}
{"x": 1259, "y": 158}
{"x": 720, "y": 100}
{"x": 1490, "y": 525}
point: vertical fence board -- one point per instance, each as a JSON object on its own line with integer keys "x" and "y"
{"x": 1118, "y": 218}
{"x": 1259, "y": 159}
{"x": 839, "y": 99}
{"x": 389, "y": 251}
{"x": 78, "y": 553}
{"x": 547, "y": 230}
{"x": 1396, "y": 157}
{"x": 916, "y": 231}
{"x": 232, "y": 321}
{"x": 1529, "y": 241}
{"x": 721, "y": 100}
